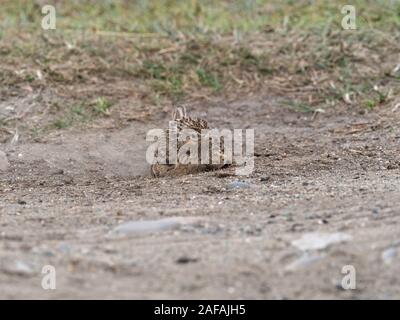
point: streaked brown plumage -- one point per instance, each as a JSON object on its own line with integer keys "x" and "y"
{"x": 180, "y": 167}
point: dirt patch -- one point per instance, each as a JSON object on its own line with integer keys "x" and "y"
{"x": 61, "y": 197}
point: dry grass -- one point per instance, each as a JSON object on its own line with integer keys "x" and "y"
{"x": 134, "y": 68}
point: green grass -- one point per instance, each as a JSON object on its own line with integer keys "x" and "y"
{"x": 79, "y": 110}
{"x": 208, "y": 79}
{"x": 161, "y": 52}
{"x": 300, "y": 107}
{"x": 80, "y": 113}
{"x": 195, "y": 16}
{"x": 61, "y": 123}
{"x": 102, "y": 106}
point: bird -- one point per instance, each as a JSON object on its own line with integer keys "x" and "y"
{"x": 188, "y": 131}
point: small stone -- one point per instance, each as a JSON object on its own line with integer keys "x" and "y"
{"x": 231, "y": 290}
{"x": 57, "y": 172}
{"x": 4, "y": 164}
{"x": 153, "y": 226}
{"x": 317, "y": 241}
{"x": 18, "y": 268}
{"x": 67, "y": 180}
{"x": 265, "y": 179}
{"x": 64, "y": 248}
{"x": 389, "y": 255}
{"x": 238, "y": 185}
{"x": 186, "y": 260}
{"x": 396, "y": 70}
{"x": 48, "y": 253}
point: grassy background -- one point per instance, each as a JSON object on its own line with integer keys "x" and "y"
{"x": 128, "y": 59}
{"x": 195, "y": 16}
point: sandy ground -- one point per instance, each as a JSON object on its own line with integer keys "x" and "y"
{"x": 339, "y": 172}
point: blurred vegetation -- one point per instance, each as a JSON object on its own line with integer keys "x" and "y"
{"x": 196, "y": 16}
{"x": 159, "y": 52}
